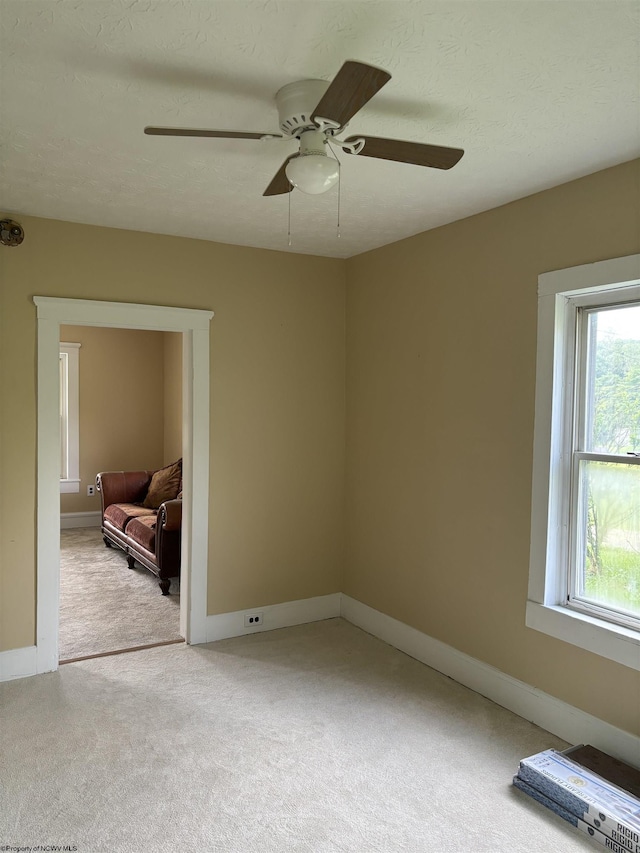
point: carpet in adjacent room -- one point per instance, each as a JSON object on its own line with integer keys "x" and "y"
{"x": 104, "y": 605}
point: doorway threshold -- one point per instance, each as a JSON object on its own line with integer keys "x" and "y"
{"x": 121, "y": 651}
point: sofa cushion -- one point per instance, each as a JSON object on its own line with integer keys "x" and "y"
{"x": 164, "y": 485}
{"x": 143, "y": 531}
{"x": 121, "y": 514}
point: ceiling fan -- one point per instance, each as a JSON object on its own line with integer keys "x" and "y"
{"x": 316, "y": 112}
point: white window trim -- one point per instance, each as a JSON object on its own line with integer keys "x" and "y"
{"x": 547, "y": 587}
{"x": 71, "y": 483}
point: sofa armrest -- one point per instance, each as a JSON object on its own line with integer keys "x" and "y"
{"x": 117, "y": 487}
{"x": 169, "y": 539}
{"x": 170, "y": 515}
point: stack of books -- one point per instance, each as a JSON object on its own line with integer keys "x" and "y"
{"x": 594, "y": 792}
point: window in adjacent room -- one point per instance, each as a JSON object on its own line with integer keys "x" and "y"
{"x": 69, "y": 418}
{"x": 585, "y": 551}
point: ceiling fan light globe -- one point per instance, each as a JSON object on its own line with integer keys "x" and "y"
{"x": 313, "y": 173}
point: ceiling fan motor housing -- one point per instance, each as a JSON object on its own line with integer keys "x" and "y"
{"x": 296, "y": 103}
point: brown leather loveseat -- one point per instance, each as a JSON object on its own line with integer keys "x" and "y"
{"x": 142, "y": 515}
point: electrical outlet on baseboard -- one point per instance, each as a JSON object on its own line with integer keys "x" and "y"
{"x": 91, "y": 490}
{"x": 253, "y": 619}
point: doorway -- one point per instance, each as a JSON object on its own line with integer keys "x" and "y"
{"x": 194, "y": 326}
{"x": 121, "y": 410}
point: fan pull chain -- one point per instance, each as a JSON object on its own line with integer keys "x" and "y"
{"x": 338, "y": 228}
{"x": 333, "y": 151}
{"x": 289, "y": 226}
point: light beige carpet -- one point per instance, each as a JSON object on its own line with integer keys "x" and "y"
{"x": 313, "y": 739}
{"x": 104, "y": 605}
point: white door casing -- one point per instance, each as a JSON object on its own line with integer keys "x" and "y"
{"x": 194, "y": 326}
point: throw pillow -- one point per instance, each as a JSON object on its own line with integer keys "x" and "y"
{"x": 164, "y": 485}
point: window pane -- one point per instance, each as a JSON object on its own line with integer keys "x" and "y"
{"x": 612, "y": 422}
{"x": 609, "y": 565}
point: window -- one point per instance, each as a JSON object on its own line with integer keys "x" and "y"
{"x": 585, "y": 547}
{"x": 69, "y": 418}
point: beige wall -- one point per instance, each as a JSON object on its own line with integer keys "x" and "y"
{"x": 121, "y": 420}
{"x": 441, "y": 353}
{"x": 172, "y": 357}
{"x": 440, "y": 385}
{"x": 277, "y": 402}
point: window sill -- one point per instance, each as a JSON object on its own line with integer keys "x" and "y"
{"x": 595, "y": 635}
{"x": 68, "y": 487}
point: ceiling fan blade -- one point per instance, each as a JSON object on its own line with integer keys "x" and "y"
{"x": 352, "y": 87}
{"x": 280, "y": 183}
{"x": 417, "y": 153}
{"x": 221, "y": 134}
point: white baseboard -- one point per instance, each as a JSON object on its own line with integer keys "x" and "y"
{"x": 284, "y": 615}
{"x": 79, "y": 519}
{"x": 18, "y": 663}
{"x": 559, "y": 718}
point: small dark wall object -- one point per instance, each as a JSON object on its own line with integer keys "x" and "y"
{"x": 11, "y": 233}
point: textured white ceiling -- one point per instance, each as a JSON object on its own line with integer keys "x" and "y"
{"x": 537, "y": 93}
